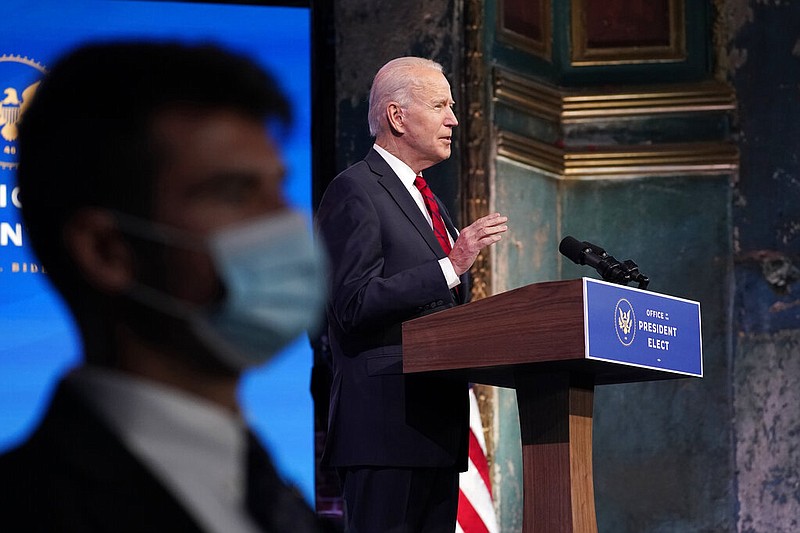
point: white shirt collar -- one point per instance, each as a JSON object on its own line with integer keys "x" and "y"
{"x": 196, "y": 448}
{"x": 402, "y": 170}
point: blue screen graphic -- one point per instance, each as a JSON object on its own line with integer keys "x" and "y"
{"x": 38, "y": 342}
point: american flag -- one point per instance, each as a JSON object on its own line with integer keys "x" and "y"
{"x": 475, "y": 506}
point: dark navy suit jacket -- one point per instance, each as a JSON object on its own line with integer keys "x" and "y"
{"x": 384, "y": 271}
{"x": 74, "y": 475}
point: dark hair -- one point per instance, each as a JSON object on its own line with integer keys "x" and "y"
{"x": 85, "y": 140}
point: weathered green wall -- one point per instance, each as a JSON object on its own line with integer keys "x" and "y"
{"x": 662, "y": 454}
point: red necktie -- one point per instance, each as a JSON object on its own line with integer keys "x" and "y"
{"x": 433, "y": 210}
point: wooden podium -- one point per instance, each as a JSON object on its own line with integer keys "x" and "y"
{"x": 535, "y": 339}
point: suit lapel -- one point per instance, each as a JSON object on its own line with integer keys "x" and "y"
{"x": 389, "y": 180}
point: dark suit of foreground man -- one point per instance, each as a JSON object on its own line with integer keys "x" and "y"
{"x": 398, "y": 441}
{"x": 152, "y": 195}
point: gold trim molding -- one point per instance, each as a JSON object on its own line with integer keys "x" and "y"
{"x": 620, "y": 161}
{"x": 571, "y": 106}
{"x": 476, "y": 134}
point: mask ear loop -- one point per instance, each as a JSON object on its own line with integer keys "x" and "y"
{"x": 167, "y": 235}
{"x": 196, "y": 318}
{"x": 141, "y": 228}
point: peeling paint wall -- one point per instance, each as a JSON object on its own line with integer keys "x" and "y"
{"x": 762, "y": 59}
{"x": 768, "y": 432}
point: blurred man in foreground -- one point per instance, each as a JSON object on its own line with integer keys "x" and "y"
{"x": 151, "y": 193}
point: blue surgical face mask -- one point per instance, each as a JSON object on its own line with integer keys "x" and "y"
{"x": 274, "y": 287}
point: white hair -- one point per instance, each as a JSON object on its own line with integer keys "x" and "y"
{"x": 394, "y": 82}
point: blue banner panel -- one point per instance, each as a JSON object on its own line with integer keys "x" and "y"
{"x": 640, "y": 328}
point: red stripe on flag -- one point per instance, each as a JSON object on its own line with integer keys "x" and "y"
{"x": 475, "y": 507}
{"x": 477, "y": 456}
{"x": 468, "y": 518}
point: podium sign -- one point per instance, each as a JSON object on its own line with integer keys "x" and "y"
{"x": 634, "y": 327}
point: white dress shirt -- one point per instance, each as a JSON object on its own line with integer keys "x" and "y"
{"x": 407, "y": 177}
{"x": 194, "y": 447}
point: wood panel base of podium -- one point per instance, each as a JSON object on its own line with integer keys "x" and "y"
{"x": 555, "y": 413}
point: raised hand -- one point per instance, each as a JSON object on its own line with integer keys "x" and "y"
{"x": 481, "y": 233}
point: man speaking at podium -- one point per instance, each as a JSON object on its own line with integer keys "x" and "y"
{"x": 398, "y": 442}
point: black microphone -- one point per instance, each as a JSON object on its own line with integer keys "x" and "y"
{"x": 611, "y": 270}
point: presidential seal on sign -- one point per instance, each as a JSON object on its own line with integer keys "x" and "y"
{"x": 625, "y": 322}
{"x": 19, "y": 78}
